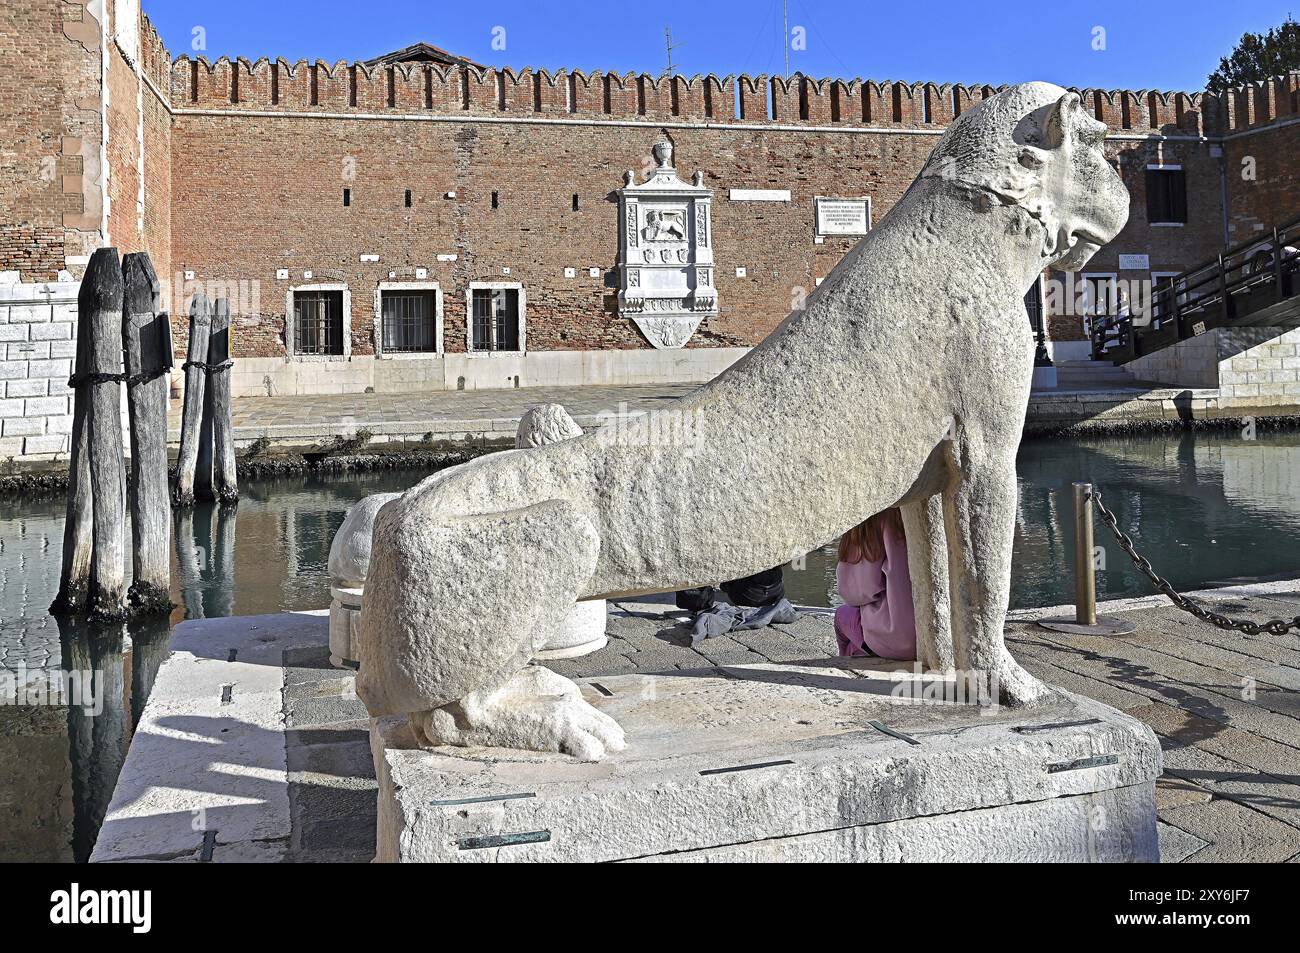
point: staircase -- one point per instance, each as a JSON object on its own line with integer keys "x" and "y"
{"x": 1255, "y": 283}
{"x": 1092, "y": 375}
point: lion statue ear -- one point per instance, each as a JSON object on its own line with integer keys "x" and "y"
{"x": 1059, "y": 119}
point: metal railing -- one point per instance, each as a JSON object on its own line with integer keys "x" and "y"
{"x": 1242, "y": 281}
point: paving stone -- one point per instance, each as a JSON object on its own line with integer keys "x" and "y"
{"x": 319, "y": 797}
{"x": 1277, "y": 797}
{"x": 358, "y": 729}
{"x": 299, "y": 675}
{"x": 1272, "y": 713}
{"x": 1172, "y": 791}
{"x": 666, "y": 661}
{"x": 354, "y": 833}
{"x": 777, "y": 645}
{"x": 1282, "y": 649}
{"x": 1176, "y": 845}
{"x": 590, "y": 666}
{"x": 1246, "y": 748}
{"x": 334, "y": 855}
{"x": 1176, "y": 724}
{"x": 309, "y": 656}
{"x": 616, "y": 645}
{"x": 1234, "y": 834}
{"x": 1221, "y": 658}
{"x": 436, "y": 411}
{"x": 335, "y": 684}
{"x": 1198, "y": 765}
{"x": 724, "y": 650}
{"x": 310, "y": 712}
{"x": 347, "y": 759}
{"x": 1103, "y": 691}
{"x": 643, "y": 633}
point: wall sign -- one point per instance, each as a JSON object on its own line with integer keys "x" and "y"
{"x": 843, "y": 216}
{"x": 759, "y": 195}
{"x": 1135, "y": 262}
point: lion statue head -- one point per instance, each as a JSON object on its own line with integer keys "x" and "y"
{"x": 1034, "y": 146}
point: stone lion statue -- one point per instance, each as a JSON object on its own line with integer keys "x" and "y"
{"x": 902, "y": 381}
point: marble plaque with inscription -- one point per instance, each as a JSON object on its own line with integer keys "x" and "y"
{"x": 843, "y": 216}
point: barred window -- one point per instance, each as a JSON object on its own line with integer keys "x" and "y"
{"x": 495, "y": 320}
{"x": 409, "y": 322}
{"x": 1166, "y": 196}
{"x": 318, "y": 322}
{"x": 1034, "y": 306}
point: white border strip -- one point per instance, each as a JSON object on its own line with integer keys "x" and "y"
{"x": 642, "y": 123}
{"x": 1158, "y": 601}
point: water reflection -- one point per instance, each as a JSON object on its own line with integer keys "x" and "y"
{"x": 71, "y": 695}
{"x": 1208, "y": 510}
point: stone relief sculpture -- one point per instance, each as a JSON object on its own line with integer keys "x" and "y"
{"x": 664, "y": 226}
{"x": 664, "y": 253}
{"x": 903, "y": 380}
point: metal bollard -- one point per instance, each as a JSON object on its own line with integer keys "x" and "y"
{"x": 1085, "y": 575}
{"x": 1086, "y": 621}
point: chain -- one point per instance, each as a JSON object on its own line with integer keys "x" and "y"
{"x": 1273, "y": 626}
{"x": 144, "y": 377}
{"x": 131, "y": 380}
{"x": 206, "y": 367}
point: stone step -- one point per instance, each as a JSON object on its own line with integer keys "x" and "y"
{"x": 1091, "y": 372}
{"x": 1094, "y": 375}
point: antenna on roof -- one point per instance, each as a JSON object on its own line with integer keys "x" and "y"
{"x": 669, "y": 46}
{"x": 785, "y": 34}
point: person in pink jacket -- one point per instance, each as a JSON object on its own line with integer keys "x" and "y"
{"x": 877, "y": 617}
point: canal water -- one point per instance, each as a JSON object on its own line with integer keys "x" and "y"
{"x": 1208, "y": 510}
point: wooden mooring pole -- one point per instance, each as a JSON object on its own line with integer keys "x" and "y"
{"x": 218, "y": 407}
{"x": 147, "y": 341}
{"x": 107, "y": 594}
{"x": 188, "y": 459}
{"x": 96, "y": 293}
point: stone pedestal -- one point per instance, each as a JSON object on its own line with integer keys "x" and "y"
{"x": 789, "y": 763}
{"x": 583, "y": 632}
{"x": 345, "y": 627}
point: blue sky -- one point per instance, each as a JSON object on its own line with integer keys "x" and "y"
{"x": 1148, "y": 43}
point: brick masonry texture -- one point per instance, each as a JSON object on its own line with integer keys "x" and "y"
{"x": 244, "y": 166}
{"x": 49, "y": 125}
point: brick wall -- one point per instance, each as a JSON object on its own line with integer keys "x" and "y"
{"x": 50, "y": 197}
{"x": 1262, "y": 166}
{"x": 1169, "y": 248}
{"x": 139, "y": 140}
{"x": 277, "y": 203}
{"x": 537, "y": 139}
{"x": 233, "y": 170}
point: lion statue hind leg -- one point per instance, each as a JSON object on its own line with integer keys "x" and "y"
{"x": 455, "y": 609}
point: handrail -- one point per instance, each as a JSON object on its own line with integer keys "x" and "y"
{"x": 1175, "y": 301}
